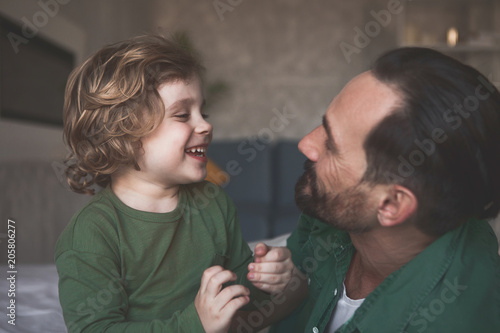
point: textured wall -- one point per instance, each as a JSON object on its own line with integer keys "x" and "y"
{"x": 281, "y": 58}
{"x": 275, "y": 55}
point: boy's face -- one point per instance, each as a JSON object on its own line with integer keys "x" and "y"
{"x": 175, "y": 153}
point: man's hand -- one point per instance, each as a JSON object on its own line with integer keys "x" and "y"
{"x": 272, "y": 268}
{"x": 216, "y": 306}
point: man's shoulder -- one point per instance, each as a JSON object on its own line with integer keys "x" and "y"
{"x": 476, "y": 256}
{"x": 480, "y": 241}
{"x": 470, "y": 287}
{"x": 474, "y": 252}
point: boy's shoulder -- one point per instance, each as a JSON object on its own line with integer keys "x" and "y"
{"x": 208, "y": 199}
{"x": 93, "y": 223}
{"x": 206, "y": 192}
{"x": 100, "y": 208}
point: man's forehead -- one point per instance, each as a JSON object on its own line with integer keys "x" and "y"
{"x": 363, "y": 101}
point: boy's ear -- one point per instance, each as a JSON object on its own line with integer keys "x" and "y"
{"x": 396, "y": 206}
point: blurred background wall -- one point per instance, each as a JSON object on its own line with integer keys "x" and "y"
{"x": 273, "y": 55}
{"x": 281, "y": 56}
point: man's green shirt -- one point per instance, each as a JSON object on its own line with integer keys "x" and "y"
{"x": 452, "y": 286}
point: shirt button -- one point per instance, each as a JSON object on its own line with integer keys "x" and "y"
{"x": 315, "y": 330}
{"x": 335, "y": 292}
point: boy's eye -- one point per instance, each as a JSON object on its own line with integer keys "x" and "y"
{"x": 182, "y": 115}
{"x": 205, "y": 116}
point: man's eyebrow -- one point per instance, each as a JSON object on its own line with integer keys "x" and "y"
{"x": 331, "y": 142}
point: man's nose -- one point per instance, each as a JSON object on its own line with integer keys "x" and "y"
{"x": 309, "y": 145}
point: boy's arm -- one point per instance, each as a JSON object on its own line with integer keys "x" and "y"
{"x": 278, "y": 307}
{"x": 94, "y": 299}
{"x": 282, "y": 304}
{"x": 274, "y": 271}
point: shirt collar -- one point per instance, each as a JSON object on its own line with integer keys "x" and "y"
{"x": 400, "y": 288}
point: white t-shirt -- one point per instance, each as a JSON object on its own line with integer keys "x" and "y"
{"x": 343, "y": 311}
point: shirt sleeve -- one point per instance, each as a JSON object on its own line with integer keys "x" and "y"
{"x": 94, "y": 299}
{"x": 239, "y": 257}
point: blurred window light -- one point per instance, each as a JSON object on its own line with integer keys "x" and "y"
{"x": 452, "y": 37}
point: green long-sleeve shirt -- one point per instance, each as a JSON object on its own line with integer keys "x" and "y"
{"x": 124, "y": 270}
{"x": 452, "y": 286}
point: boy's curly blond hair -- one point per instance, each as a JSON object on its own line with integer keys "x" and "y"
{"x": 112, "y": 101}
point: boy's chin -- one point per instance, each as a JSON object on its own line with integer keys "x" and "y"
{"x": 200, "y": 178}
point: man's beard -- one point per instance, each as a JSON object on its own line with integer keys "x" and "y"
{"x": 345, "y": 210}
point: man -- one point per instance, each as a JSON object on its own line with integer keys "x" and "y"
{"x": 399, "y": 175}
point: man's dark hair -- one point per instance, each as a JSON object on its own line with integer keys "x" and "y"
{"x": 442, "y": 141}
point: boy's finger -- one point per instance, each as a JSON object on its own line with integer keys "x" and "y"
{"x": 231, "y": 292}
{"x": 271, "y": 279}
{"x": 271, "y": 267}
{"x": 207, "y": 275}
{"x": 214, "y": 285}
{"x": 261, "y": 249}
{"x": 234, "y": 305}
{"x": 270, "y": 288}
{"x": 276, "y": 254}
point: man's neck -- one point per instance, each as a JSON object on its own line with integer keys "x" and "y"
{"x": 379, "y": 252}
{"x": 141, "y": 194}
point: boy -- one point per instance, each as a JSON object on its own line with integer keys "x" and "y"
{"x": 132, "y": 259}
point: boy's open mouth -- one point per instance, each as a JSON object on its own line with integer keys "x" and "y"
{"x": 197, "y": 151}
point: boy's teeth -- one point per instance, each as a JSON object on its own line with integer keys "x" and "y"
{"x": 196, "y": 150}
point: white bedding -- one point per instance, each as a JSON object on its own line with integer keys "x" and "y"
{"x": 36, "y": 300}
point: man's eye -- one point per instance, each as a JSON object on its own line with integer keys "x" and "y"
{"x": 330, "y": 146}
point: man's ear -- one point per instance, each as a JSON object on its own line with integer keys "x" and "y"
{"x": 396, "y": 206}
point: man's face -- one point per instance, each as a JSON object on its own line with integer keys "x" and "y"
{"x": 330, "y": 188}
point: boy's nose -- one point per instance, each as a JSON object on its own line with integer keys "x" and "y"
{"x": 204, "y": 127}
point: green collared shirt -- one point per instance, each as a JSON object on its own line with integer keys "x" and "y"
{"x": 452, "y": 286}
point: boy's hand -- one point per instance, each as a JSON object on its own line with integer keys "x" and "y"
{"x": 272, "y": 268}
{"x": 216, "y": 306}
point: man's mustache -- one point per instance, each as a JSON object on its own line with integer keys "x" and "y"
{"x": 308, "y": 178}
{"x": 310, "y": 171}
{"x": 306, "y": 190}
{"x": 308, "y": 165}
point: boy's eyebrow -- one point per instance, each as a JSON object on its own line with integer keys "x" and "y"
{"x": 331, "y": 142}
{"x": 185, "y": 103}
